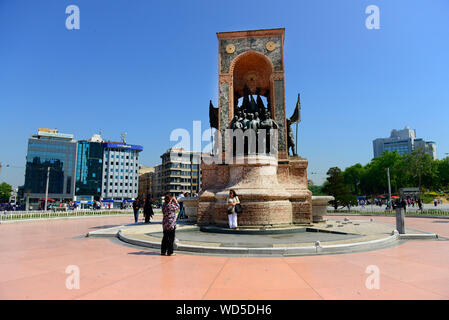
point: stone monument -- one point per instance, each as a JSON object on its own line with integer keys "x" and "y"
{"x": 272, "y": 186}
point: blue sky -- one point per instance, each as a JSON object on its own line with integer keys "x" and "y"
{"x": 148, "y": 67}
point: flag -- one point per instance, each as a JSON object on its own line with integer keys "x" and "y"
{"x": 296, "y": 117}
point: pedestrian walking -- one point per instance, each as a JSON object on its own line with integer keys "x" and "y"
{"x": 169, "y": 224}
{"x": 136, "y": 208}
{"x": 232, "y": 201}
{"x": 148, "y": 209}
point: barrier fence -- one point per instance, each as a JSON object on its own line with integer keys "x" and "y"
{"x": 424, "y": 212}
{"x": 25, "y": 215}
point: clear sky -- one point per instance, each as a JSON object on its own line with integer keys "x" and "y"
{"x": 148, "y": 67}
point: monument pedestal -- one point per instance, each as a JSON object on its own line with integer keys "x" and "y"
{"x": 271, "y": 193}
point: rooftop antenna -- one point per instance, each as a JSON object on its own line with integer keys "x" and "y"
{"x": 123, "y": 137}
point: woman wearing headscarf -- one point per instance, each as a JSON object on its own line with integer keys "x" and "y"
{"x": 169, "y": 224}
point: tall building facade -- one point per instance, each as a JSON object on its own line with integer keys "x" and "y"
{"x": 404, "y": 142}
{"x": 120, "y": 171}
{"x": 180, "y": 172}
{"x": 54, "y": 150}
{"x": 157, "y": 183}
{"x": 146, "y": 177}
{"x": 89, "y": 167}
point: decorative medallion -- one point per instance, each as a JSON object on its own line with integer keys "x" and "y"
{"x": 251, "y": 77}
{"x": 270, "y": 46}
{"x": 230, "y": 48}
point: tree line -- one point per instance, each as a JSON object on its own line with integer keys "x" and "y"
{"x": 416, "y": 169}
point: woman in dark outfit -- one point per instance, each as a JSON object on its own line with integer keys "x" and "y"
{"x": 147, "y": 209}
{"x": 169, "y": 224}
{"x": 136, "y": 208}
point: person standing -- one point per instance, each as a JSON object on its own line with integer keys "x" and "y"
{"x": 232, "y": 200}
{"x": 136, "y": 208}
{"x": 169, "y": 224}
{"x": 403, "y": 204}
{"x": 181, "y": 214}
{"x": 148, "y": 209}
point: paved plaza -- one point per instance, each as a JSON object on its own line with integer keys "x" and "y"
{"x": 34, "y": 257}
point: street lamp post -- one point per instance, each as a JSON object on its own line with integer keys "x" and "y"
{"x": 389, "y": 186}
{"x": 46, "y": 188}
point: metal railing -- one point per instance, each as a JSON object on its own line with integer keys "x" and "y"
{"x": 380, "y": 211}
{"x": 41, "y": 214}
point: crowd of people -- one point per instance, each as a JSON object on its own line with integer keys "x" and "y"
{"x": 403, "y": 202}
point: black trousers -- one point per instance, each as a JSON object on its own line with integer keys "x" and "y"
{"x": 136, "y": 215}
{"x": 167, "y": 241}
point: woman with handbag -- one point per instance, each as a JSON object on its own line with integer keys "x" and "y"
{"x": 233, "y": 201}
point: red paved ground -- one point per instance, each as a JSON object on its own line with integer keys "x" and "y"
{"x": 34, "y": 257}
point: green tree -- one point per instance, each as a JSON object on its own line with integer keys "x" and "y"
{"x": 421, "y": 168}
{"x": 443, "y": 172}
{"x": 5, "y": 192}
{"x": 317, "y": 190}
{"x": 374, "y": 178}
{"x": 337, "y": 188}
{"x": 352, "y": 177}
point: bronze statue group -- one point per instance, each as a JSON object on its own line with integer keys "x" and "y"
{"x": 252, "y": 114}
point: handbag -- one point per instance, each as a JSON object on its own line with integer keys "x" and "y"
{"x": 238, "y": 208}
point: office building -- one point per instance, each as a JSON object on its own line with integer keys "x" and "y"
{"x": 146, "y": 176}
{"x": 404, "y": 142}
{"x": 156, "y": 188}
{"x": 89, "y": 168}
{"x": 180, "y": 172}
{"x": 57, "y": 151}
{"x": 120, "y": 172}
